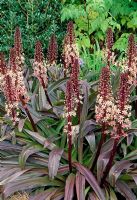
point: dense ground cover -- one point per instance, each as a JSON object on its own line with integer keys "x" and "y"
{"x": 68, "y": 119}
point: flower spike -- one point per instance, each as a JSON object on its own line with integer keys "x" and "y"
{"x": 52, "y": 51}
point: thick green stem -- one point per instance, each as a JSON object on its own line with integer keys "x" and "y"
{"x": 102, "y": 140}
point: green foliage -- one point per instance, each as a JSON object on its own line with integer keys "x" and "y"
{"x": 92, "y": 19}
{"x": 37, "y": 20}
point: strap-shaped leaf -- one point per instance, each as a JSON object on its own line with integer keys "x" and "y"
{"x": 29, "y": 182}
{"x": 40, "y": 139}
{"x": 26, "y": 152}
{"x": 56, "y": 84}
{"x": 125, "y": 190}
{"x": 45, "y": 195}
{"x": 69, "y": 187}
{"x": 80, "y": 186}
{"x": 90, "y": 179}
{"x": 117, "y": 169}
{"x": 53, "y": 163}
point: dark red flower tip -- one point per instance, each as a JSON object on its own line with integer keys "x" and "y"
{"x": 109, "y": 39}
{"x": 52, "y": 50}
{"x": 131, "y": 50}
{"x": 38, "y": 52}
{"x": 124, "y": 91}
{"x": 109, "y": 44}
{"x": 18, "y": 42}
{"x": 3, "y": 68}
{"x": 70, "y": 32}
{"x": 104, "y": 83}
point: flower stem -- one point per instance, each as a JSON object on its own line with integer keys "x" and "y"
{"x": 70, "y": 152}
{"x": 46, "y": 93}
{"x": 109, "y": 164}
{"x": 48, "y": 99}
{"x": 102, "y": 140}
{"x": 28, "y": 114}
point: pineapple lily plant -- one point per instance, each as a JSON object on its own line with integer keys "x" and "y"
{"x": 63, "y": 137}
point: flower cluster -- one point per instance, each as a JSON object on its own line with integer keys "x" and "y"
{"x": 40, "y": 70}
{"x": 70, "y": 109}
{"x": 72, "y": 63}
{"x": 12, "y": 79}
{"x": 18, "y": 48}
{"x": 132, "y": 60}
{"x": 16, "y": 73}
{"x": 52, "y": 51}
{"x": 9, "y": 89}
{"x": 17, "y": 63}
{"x": 70, "y": 51}
{"x": 105, "y": 107}
{"x": 123, "y": 111}
{"x": 75, "y": 82}
{"x": 3, "y": 69}
{"x": 108, "y": 54}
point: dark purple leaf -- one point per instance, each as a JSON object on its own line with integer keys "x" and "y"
{"x": 21, "y": 124}
{"x": 84, "y": 112}
{"x": 26, "y": 152}
{"x": 28, "y": 182}
{"x": 43, "y": 104}
{"x": 92, "y": 196}
{"x": 101, "y": 163}
{"x": 39, "y": 138}
{"x": 45, "y": 195}
{"x": 56, "y": 84}
{"x": 117, "y": 169}
{"x": 69, "y": 187}
{"x": 129, "y": 139}
{"x": 59, "y": 195}
{"x": 88, "y": 126}
{"x": 125, "y": 190}
{"x": 91, "y": 140}
{"x": 107, "y": 146}
{"x": 54, "y": 160}
{"x": 134, "y": 176}
{"x": 12, "y": 177}
{"x": 9, "y": 147}
{"x": 80, "y": 186}
{"x": 131, "y": 156}
{"x": 90, "y": 179}
{"x": 63, "y": 169}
